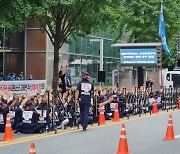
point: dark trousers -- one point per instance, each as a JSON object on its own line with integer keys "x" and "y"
{"x": 2, "y": 128}
{"x": 29, "y": 128}
{"x": 84, "y": 113}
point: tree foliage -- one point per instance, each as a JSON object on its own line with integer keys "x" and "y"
{"x": 142, "y": 17}
{"x": 12, "y": 16}
{"x": 62, "y": 18}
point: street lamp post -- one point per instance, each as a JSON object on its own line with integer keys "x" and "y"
{"x": 101, "y": 53}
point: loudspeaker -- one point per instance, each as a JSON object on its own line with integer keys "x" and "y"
{"x": 176, "y": 80}
{"x": 101, "y": 76}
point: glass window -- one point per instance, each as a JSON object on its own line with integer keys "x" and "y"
{"x": 88, "y": 58}
{"x": 95, "y": 48}
{"x": 84, "y": 46}
{"x": 95, "y": 68}
{"x": 83, "y": 63}
{"x": 77, "y": 65}
{"x": 72, "y": 67}
{"x": 89, "y": 47}
{"x": 107, "y": 48}
{"x": 15, "y": 41}
{"x": 77, "y": 48}
{"x": 71, "y": 48}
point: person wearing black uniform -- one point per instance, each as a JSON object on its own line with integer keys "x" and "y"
{"x": 147, "y": 84}
{"x": 84, "y": 95}
{"x": 27, "y": 118}
{"x": 42, "y": 109}
{"x": 62, "y": 81}
{"x": 3, "y": 112}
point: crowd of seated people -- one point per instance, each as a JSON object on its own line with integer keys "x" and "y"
{"x": 37, "y": 113}
{"x": 14, "y": 77}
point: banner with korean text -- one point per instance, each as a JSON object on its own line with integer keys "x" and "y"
{"x": 23, "y": 87}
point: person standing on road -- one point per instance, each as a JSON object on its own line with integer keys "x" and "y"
{"x": 84, "y": 95}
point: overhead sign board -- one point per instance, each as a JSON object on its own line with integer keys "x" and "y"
{"x": 138, "y": 56}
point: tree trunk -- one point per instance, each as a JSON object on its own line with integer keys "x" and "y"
{"x": 55, "y": 68}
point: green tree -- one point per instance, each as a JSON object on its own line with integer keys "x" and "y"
{"x": 62, "y": 18}
{"x": 142, "y": 18}
{"x": 12, "y": 16}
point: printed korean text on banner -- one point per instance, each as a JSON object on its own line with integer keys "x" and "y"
{"x": 23, "y": 87}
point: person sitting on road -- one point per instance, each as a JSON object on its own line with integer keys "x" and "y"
{"x": 106, "y": 102}
{"x": 4, "y": 109}
{"x": 28, "y": 118}
{"x": 42, "y": 110}
{"x": 3, "y": 112}
{"x": 13, "y": 104}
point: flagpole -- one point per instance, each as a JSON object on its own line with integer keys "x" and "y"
{"x": 160, "y": 33}
{"x": 161, "y": 65}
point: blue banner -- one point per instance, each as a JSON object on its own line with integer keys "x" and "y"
{"x": 138, "y": 56}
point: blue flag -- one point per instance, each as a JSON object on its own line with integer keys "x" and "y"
{"x": 162, "y": 32}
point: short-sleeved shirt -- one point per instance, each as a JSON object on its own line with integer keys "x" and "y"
{"x": 68, "y": 77}
{"x": 85, "y": 88}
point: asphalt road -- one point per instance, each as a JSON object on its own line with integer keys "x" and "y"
{"x": 144, "y": 136}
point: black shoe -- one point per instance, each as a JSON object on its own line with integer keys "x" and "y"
{"x": 84, "y": 128}
{"x": 16, "y": 131}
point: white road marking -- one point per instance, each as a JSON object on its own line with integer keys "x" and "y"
{"x": 177, "y": 136}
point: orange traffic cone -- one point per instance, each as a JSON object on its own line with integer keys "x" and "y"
{"x": 32, "y": 148}
{"x": 170, "y": 130}
{"x": 178, "y": 107}
{"x": 154, "y": 108}
{"x": 101, "y": 117}
{"x": 116, "y": 114}
{"x": 123, "y": 145}
{"x": 8, "y": 135}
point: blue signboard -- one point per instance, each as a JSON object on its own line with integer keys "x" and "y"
{"x": 138, "y": 56}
